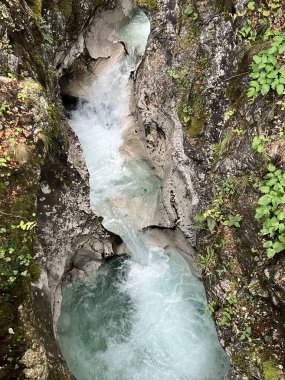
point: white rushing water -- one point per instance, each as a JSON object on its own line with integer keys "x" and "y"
{"x": 143, "y": 318}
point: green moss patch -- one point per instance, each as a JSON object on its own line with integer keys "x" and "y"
{"x": 36, "y": 7}
{"x": 65, "y": 7}
{"x": 151, "y": 4}
{"x": 270, "y": 371}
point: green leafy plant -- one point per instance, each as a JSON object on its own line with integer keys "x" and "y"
{"x": 27, "y": 226}
{"x": 229, "y": 114}
{"x": 247, "y": 33}
{"x": 271, "y": 210}
{"x": 245, "y": 335}
{"x": 14, "y": 263}
{"x": 232, "y": 299}
{"x": 267, "y": 73}
{"x": 4, "y": 107}
{"x": 207, "y": 261}
{"x": 205, "y": 220}
{"x": 226, "y": 317}
{"x": 239, "y": 131}
{"x": 251, "y": 5}
{"x": 22, "y": 96}
{"x": 12, "y": 77}
{"x": 187, "y": 111}
{"x": 177, "y": 74}
{"x": 259, "y": 142}
{"x": 210, "y": 218}
{"x": 180, "y": 75}
{"x": 212, "y": 307}
{"x": 233, "y": 221}
{"x": 190, "y": 12}
{"x": 274, "y": 4}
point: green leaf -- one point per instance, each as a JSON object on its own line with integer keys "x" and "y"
{"x": 268, "y": 244}
{"x": 275, "y": 83}
{"x": 262, "y": 81}
{"x": 188, "y": 11}
{"x": 264, "y": 189}
{"x": 262, "y": 211}
{"x": 281, "y": 215}
{"x": 251, "y": 92}
{"x": 272, "y": 74}
{"x": 281, "y": 49}
{"x": 254, "y": 75}
{"x": 211, "y": 223}
{"x": 278, "y": 39}
{"x": 280, "y": 89}
{"x": 257, "y": 143}
{"x": 257, "y": 59}
{"x": 270, "y": 253}
{"x": 273, "y": 50}
{"x": 271, "y": 168}
{"x": 272, "y": 59}
{"x": 265, "y": 89}
{"x": 251, "y": 5}
{"x": 254, "y": 83}
{"x": 264, "y": 58}
{"x": 265, "y": 200}
{"x": 282, "y": 238}
{"x": 261, "y": 66}
{"x": 278, "y": 246}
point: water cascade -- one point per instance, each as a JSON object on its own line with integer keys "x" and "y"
{"x": 144, "y": 317}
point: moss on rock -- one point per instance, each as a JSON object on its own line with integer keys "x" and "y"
{"x": 270, "y": 370}
{"x": 151, "y": 4}
{"x": 36, "y": 7}
{"x": 65, "y": 7}
{"x": 196, "y": 126}
{"x": 225, "y": 6}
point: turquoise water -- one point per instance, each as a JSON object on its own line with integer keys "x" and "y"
{"x": 145, "y": 317}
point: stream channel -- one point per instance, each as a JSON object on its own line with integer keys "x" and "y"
{"x": 143, "y": 317}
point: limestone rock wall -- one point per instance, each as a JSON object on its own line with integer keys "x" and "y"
{"x": 200, "y": 125}
{"x": 46, "y": 173}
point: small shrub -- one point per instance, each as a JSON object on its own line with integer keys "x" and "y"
{"x": 208, "y": 260}
{"x": 232, "y": 221}
{"x": 271, "y": 210}
{"x": 258, "y": 143}
{"x": 267, "y": 73}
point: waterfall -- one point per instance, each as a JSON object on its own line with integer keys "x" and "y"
{"x": 143, "y": 318}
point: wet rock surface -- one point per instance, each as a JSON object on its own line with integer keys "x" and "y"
{"x": 46, "y": 38}
{"x": 163, "y": 131}
{"x": 239, "y": 279}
